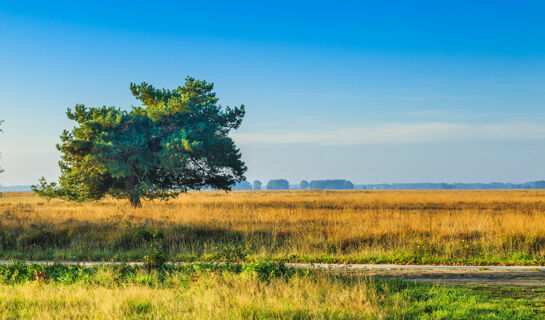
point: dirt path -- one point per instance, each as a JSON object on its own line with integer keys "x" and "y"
{"x": 456, "y": 277}
{"x": 453, "y": 277}
{"x": 505, "y": 276}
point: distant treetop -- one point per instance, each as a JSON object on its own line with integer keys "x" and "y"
{"x": 242, "y": 186}
{"x": 278, "y": 184}
{"x": 336, "y": 184}
{"x": 257, "y": 185}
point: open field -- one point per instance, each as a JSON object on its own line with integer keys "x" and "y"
{"x": 437, "y": 227}
{"x": 257, "y": 230}
{"x": 250, "y": 291}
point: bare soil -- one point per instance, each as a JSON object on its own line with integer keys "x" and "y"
{"x": 457, "y": 277}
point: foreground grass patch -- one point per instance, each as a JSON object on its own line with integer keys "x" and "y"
{"x": 261, "y": 290}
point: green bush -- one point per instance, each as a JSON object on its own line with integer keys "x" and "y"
{"x": 156, "y": 256}
{"x": 267, "y": 270}
{"x": 232, "y": 253}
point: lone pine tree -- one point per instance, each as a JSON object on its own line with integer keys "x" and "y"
{"x": 177, "y": 140}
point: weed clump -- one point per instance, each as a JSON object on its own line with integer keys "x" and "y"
{"x": 232, "y": 253}
{"x": 156, "y": 257}
{"x": 267, "y": 270}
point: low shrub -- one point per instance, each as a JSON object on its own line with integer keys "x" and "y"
{"x": 267, "y": 270}
{"x": 156, "y": 256}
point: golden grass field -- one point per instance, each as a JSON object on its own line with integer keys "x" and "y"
{"x": 453, "y": 227}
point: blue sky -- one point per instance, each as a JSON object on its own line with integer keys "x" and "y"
{"x": 381, "y": 91}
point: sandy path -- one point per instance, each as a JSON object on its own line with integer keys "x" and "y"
{"x": 505, "y": 276}
{"x": 455, "y": 277}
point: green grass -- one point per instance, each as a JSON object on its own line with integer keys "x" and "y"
{"x": 259, "y": 290}
{"x": 392, "y": 256}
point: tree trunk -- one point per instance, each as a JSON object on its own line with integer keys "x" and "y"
{"x": 134, "y": 199}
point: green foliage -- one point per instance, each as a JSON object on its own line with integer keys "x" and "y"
{"x": 232, "y": 253}
{"x": 267, "y": 270}
{"x": 20, "y": 272}
{"x": 177, "y": 140}
{"x": 48, "y": 190}
{"x": 156, "y": 257}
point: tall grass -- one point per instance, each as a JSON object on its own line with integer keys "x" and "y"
{"x": 233, "y": 293}
{"x": 471, "y": 227}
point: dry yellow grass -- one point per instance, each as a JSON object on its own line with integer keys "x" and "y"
{"x": 213, "y": 297}
{"x": 402, "y": 226}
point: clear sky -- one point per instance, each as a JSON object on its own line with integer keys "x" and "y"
{"x": 377, "y": 91}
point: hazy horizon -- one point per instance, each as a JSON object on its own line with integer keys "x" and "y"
{"x": 372, "y": 93}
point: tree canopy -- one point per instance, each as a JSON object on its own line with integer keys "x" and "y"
{"x": 335, "y": 184}
{"x": 242, "y": 186}
{"x": 278, "y": 184}
{"x": 176, "y": 141}
{"x": 257, "y": 185}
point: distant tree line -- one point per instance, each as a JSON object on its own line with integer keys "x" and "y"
{"x": 336, "y": 184}
{"x": 305, "y": 185}
{"x": 278, "y": 184}
{"x": 283, "y": 184}
{"x": 453, "y": 186}
{"x": 242, "y": 185}
{"x": 340, "y": 184}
